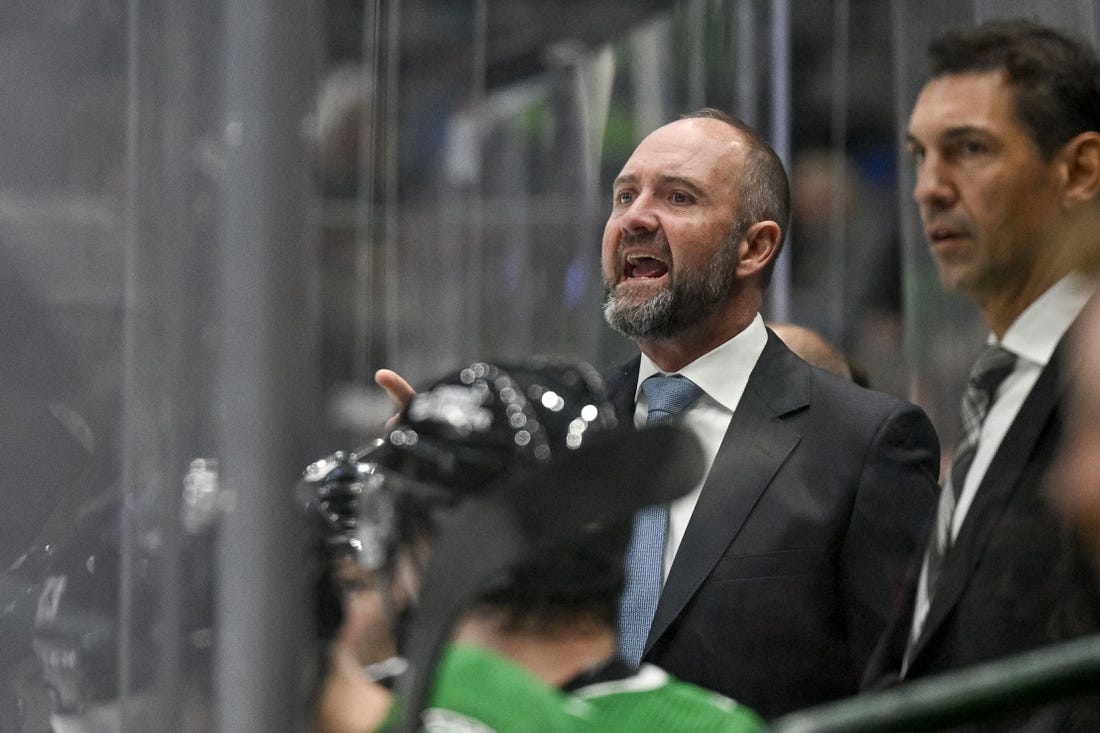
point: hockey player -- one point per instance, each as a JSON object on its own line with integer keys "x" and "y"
{"x": 493, "y": 520}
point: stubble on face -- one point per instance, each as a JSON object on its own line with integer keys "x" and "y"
{"x": 691, "y": 296}
{"x": 988, "y": 200}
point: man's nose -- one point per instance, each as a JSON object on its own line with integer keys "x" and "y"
{"x": 640, "y": 216}
{"x": 934, "y": 186}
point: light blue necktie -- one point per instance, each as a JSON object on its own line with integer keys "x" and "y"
{"x": 667, "y": 397}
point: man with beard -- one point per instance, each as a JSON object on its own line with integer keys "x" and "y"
{"x": 773, "y": 580}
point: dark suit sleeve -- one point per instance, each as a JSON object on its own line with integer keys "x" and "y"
{"x": 893, "y": 509}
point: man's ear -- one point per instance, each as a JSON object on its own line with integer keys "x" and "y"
{"x": 1080, "y": 159}
{"x": 758, "y": 247}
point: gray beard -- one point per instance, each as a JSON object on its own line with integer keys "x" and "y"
{"x": 684, "y": 303}
{"x": 651, "y": 318}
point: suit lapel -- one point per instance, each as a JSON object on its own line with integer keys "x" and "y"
{"x": 996, "y": 491}
{"x": 622, "y": 387}
{"x": 754, "y": 447}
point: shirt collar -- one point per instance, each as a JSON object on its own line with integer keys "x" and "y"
{"x": 723, "y": 371}
{"x": 1036, "y": 332}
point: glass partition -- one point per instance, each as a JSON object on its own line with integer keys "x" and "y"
{"x": 159, "y": 349}
{"x": 485, "y": 241}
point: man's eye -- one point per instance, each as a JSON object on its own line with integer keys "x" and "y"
{"x": 624, "y": 197}
{"x": 679, "y": 197}
{"x": 970, "y": 148}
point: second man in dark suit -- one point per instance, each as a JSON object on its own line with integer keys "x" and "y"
{"x": 1005, "y": 138}
{"x": 781, "y": 570}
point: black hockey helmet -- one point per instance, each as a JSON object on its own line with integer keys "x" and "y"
{"x": 542, "y": 430}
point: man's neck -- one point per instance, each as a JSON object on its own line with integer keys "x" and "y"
{"x": 1000, "y": 310}
{"x": 553, "y": 658}
{"x": 673, "y": 354}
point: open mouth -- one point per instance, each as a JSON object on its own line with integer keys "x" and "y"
{"x": 643, "y": 267}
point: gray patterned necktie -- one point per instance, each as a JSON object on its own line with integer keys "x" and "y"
{"x": 667, "y": 397}
{"x": 991, "y": 368}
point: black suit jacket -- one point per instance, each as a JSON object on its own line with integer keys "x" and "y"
{"x": 797, "y": 549}
{"x": 1015, "y": 578}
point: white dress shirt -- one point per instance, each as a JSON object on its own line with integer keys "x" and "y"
{"x": 1032, "y": 337}
{"x": 722, "y": 374}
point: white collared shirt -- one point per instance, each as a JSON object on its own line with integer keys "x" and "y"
{"x": 722, "y": 373}
{"x": 1033, "y": 336}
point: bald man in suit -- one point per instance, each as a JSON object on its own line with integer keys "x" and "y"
{"x": 781, "y": 570}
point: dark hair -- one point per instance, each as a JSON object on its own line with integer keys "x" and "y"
{"x": 763, "y": 192}
{"x": 1055, "y": 79}
{"x": 565, "y": 584}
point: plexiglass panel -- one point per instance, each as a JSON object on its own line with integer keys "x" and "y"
{"x": 158, "y": 349}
